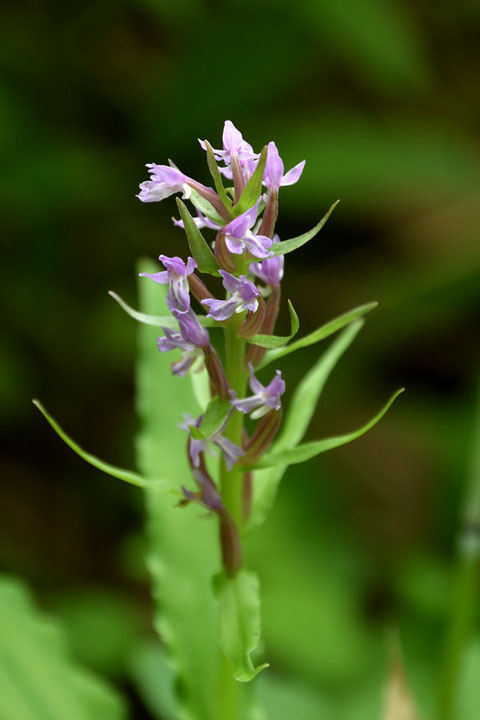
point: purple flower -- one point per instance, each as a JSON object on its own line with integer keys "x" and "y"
{"x": 235, "y": 149}
{"x": 189, "y": 340}
{"x": 243, "y": 297}
{"x": 273, "y": 177}
{"x": 264, "y": 398}
{"x": 271, "y": 269}
{"x": 239, "y": 236}
{"x": 201, "y": 221}
{"x": 229, "y": 450}
{"x": 176, "y": 274}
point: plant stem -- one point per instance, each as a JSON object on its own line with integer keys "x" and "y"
{"x": 231, "y": 487}
{"x": 231, "y": 482}
{"x": 465, "y": 595}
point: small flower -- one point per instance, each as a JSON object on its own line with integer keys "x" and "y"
{"x": 239, "y": 236}
{"x": 165, "y": 181}
{"x": 271, "y": 269}
{"x": 273, "y": 177}
{"x": 176, "y": 274}
{"x": 235, "y": 149}
{"x": 229, "y": 450}
{"x": 189, "y": 340}
{"x": 243, "y": 297}
{"x": 264, "y": 398}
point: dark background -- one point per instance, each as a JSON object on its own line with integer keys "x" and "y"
{"x": 382, "y": 100}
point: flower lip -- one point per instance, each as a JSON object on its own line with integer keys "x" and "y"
{"x": 243, "y": 296}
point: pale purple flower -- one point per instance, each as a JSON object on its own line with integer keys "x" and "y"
{"x": 235, "y": 148}
{"x": 270, "y": 271}
{"x": 189, "y": 340}
{"x": 264, "y": 398}
{"x": 239, "y": 235}
{"x": 243, "y": 297}
{"x": 273, "y": 177}
{"x": 176, "y": 275}
{"x": 229, "y": 450}
{"x": 166, "y": 180}
{"x": 201, "y": 221}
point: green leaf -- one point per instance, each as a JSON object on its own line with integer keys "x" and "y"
{"x": 278, "y": 341}
{"x": 183, "y": 550}
{"x": 205, "y": 207}
{"x": 198, "y": 245}
{"x": 38, "y": 680}
{"x": 126, "y": 475}
{"x": 300, "y": 412}
{"x": 167, "y": 321}
{"x": 253, "y": 188}
{"x": 217, "y": 178}
{"x": 215, "y": 415}
{"x": 302, "y": 453}
{"x": 320, "y": 334}
{"x": 239, "y": 621}
{"x": 287, "y": 246}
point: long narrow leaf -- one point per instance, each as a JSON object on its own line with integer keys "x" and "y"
{"x": 320, "y": 334}
{"x": 304, "y": 452}
{"x": 287, "y": 246}
{"x": 251, "y": 191}
{"x": 217, "y": 178}
{"x": 167, "y": 321}
{"x": 198, "y": 245}
{"x": 300, "y": 412}
{"x": 278, "y": 341}
{"x": 126, "y": 475}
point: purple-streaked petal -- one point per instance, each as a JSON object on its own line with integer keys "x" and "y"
{"x": 182, "y": 366}
{"x": 230, "y": 282}
{"x": 229, "y": 450}
{"x": 255, "y": 385}
{"x": 273, "y": 174}
{"x": 232, "y": 138}
{"x": 247, "y": 404}
{"x": 221, "y": 310}
{"x": 190, "y": 328}
{"x": 274, "y": 390}
{"x": 160, "y": 277}
{"x": 235, "y": 246}
{"x": 258, "y": 245}
{"x": 271, "y": 269}
{"x": 293, "y": 175}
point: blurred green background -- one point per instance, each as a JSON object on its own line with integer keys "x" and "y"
{"x": 381, "y": 97}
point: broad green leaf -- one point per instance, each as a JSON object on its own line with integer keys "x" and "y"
{"x": 205, "y": 207}
{"x": 278, "y": 341}
{"x": 183, "y": 551}
{"x": 217, "y": 178}
{"x": 302, "y": 453}
{"x": 215, "y": 416}
{"x": 198, "y": 245}
{"x": 320, "y": 334}
{"x": 38, "y": 680}
{"x": 300, "y": 412}
{"x": 126, "y": 475}
{"x": 239, "y": 621}
{"x": 167, "y": 321}
{"x": 287, "y": 246}
{"x": 253, "y": 188}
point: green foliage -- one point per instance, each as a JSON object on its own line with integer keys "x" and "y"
{"x": 183, "y": 554}
{"x": 167, "y": 321}
{"x": 239, "y": 621}
{"x": 278, "y": 341}
{"x": 252, "y": 189}
{"x": 38, "y": 681}
{"x": 215, "y": 416}
{"x": 320, "y": 334}
{"x": 198, "y": 246}
{"x": 125, "y": 475}
{"x": 287, "y": 246}
{"x": 302, "y": 453}
{"x": 300, "y": 412}
{"x": 217, "y": 178}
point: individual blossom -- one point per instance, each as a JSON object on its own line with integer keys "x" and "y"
{"x": 273, "y": 177}
{"x": 270, "y": 270}
{"x": 190, "y": 339}
{"x": 176, "y": 275}
{"x": 236, "y": 152}
{"x": 166, "y": 181}
{"x": 229, "y": 450}
{"x": 243, "y": 296}
{"x": 240, "y": 237}
{"x": 264, "y": 398}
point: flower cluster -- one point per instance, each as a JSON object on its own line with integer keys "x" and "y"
{"x": 243, "y": 219}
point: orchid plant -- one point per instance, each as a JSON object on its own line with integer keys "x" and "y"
{"x": 229, "y": 285}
